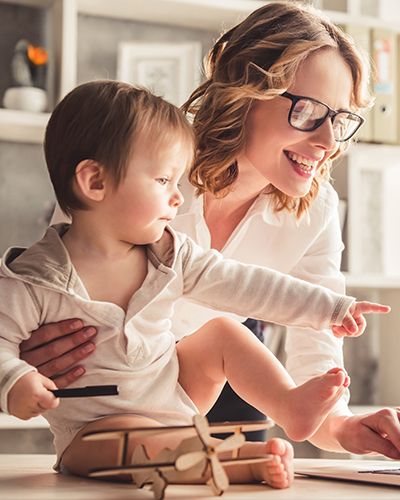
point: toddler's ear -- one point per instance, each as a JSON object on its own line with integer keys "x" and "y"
{"x": 90, "y": 180}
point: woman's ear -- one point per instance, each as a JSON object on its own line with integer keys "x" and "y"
{"x": 90, "y": 180}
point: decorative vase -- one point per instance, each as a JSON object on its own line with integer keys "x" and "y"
{"x": 25, "y": 99}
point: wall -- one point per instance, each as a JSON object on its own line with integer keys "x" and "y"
{"x": 26, "y": 197}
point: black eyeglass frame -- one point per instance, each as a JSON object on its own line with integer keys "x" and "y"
{"x": 331, "y": 113}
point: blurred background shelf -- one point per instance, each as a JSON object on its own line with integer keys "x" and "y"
{"x": 200, "y": 14}
{"x": 372, "y": 281}
{"x": 218, "y": 14}
{"x": 22, "y": 126}
{"x": 10, "y": 422}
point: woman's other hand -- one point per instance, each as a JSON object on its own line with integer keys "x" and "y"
{"x": 377, "y": 432}
{"x": 56, "y": 348}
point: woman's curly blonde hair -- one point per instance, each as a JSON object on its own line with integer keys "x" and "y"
{"x": 258, "y": 60}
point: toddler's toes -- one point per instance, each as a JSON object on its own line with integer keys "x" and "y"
{"x": 279, "y": 472}
{"x": 337, "y": 377}
{"x": 280, "y": 447}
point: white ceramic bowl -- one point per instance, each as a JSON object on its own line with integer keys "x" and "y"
{"x": 25, "y": 99}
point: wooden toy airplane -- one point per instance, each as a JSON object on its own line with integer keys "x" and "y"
{"x": 195, "y": 457}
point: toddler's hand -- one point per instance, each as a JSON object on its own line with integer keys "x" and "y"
{"x": 354, "y": 322}
{"x": 31, "y": 396}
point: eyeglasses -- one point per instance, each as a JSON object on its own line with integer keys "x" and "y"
{"x": 308, "y": 114}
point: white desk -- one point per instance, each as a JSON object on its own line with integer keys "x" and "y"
{"x": 30, "y": 477}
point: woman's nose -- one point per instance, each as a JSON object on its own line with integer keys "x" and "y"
{"x": 324, "y": 137}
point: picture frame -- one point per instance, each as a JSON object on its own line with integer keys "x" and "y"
{"x": 171, "y": 70}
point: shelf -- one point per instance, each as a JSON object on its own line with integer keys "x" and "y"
{"x": 363, "y": 409}
{"x": 22, "y": 126}
{"x": 213, "y": 15}
{"x": 10, "y": 422}
{"x": 343, "y": 18}
{"x": 204, "y": 14}
{"x": 30, "y": 3}
{"x": 374, "y": 281}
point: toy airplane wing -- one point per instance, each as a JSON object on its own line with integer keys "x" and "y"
{"x": 165, "y": 466}
{"x": 242, "y": 426}
{"x": 185, "y": 430}
{"x": 128, "y": 469}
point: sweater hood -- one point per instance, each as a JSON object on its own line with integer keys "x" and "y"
{"x": 47, "y": 262}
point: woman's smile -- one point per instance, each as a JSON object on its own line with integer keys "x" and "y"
{"x": 305, "y": 167}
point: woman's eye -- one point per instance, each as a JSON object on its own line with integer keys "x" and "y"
{"x": 163, "y": 180}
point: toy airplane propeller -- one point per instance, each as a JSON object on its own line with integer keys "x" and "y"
{"x": 208, "y": 456}
{"x": 195, "y": 458}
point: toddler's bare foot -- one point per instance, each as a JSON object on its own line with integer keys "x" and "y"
{"x": 307, "y": 405}
{"x": 278, "y": 472}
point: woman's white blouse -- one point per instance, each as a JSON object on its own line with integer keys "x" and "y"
{"x": 309, "y": 249}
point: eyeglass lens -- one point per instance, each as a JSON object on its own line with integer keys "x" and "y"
{"x": 309, "y": 115}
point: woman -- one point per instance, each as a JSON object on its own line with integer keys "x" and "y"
{"x": 279, "y": 104}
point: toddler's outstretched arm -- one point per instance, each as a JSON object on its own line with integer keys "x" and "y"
{"x": 354, "y": 322}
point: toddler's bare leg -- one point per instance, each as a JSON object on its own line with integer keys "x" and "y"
{"x": 225, "y": 350}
